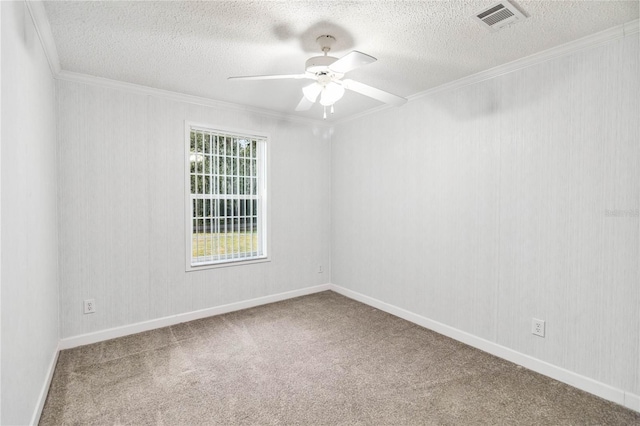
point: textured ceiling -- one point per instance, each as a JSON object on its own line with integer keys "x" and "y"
{"x": 192, "y": 47}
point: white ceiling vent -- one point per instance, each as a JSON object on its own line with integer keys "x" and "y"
{"x": 498, "y": 15}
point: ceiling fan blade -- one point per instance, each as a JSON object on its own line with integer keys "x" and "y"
{"x": 374, "y": 93}
{"x": 271, "y": 77}
{"x": 305, "y": 104}
{"x": 350, "y": 61}
{"x": 312, "y": 91}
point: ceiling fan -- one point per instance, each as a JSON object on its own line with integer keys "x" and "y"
{"x": 328, "y": 73}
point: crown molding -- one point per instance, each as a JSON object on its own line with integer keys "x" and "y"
{"x": 631, "y": 27}
{"x": 588, "y": 42}
{"x": 43, "y": 28}
{"x": 180, "y": 97}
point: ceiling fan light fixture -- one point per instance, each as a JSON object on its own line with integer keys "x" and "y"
{"x": 312, "y": 91}
{"x": 331, "y": 93}
{"x": 328, "y": 72}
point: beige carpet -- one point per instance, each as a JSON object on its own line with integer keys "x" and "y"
{"x": 318, "y": 359}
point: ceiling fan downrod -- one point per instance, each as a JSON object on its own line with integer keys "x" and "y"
{"x": 325, "y": 42}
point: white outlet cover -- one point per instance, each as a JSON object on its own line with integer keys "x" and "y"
{"x": 537, "y": 327}
{"x": 89, "y": 306}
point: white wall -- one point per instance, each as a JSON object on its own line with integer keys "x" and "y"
{"x": 29, "y": 230}
{"x": 478, "y": 207}
{"x": 484, "y": 206}
{"x": 121, "y": 198}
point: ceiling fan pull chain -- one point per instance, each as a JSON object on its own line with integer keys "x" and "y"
{"x": 331, "y": 108}
{"x": 325, "y": 113}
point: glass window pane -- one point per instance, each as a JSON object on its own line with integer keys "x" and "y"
{"x": 224, "y": 229}
{"x": 206, "y": 141}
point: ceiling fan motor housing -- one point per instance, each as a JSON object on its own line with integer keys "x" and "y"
{"x": 319, "y": 63}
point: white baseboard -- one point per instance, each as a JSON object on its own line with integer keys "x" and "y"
{"x": 112, "y": 333}
{"x": 44, "y": 391}
{"x": 584, "y": 383}
{"x": 632, "y": 401}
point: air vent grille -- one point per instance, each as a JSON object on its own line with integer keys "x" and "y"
{"x": 498, "y": 15}
{"x": 491, "y": 11}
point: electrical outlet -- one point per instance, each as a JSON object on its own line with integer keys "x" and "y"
{"x": 89, "y": 306}
{"x": 537, "y": 327}
{"x": 320, "y": 270}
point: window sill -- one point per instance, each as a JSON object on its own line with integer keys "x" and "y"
{"x": 231, "y": 263}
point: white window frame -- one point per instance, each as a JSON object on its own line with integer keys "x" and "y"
{"x": 262, "y": 197}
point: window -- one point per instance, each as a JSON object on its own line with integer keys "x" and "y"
{"x": 226, "y": 206}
